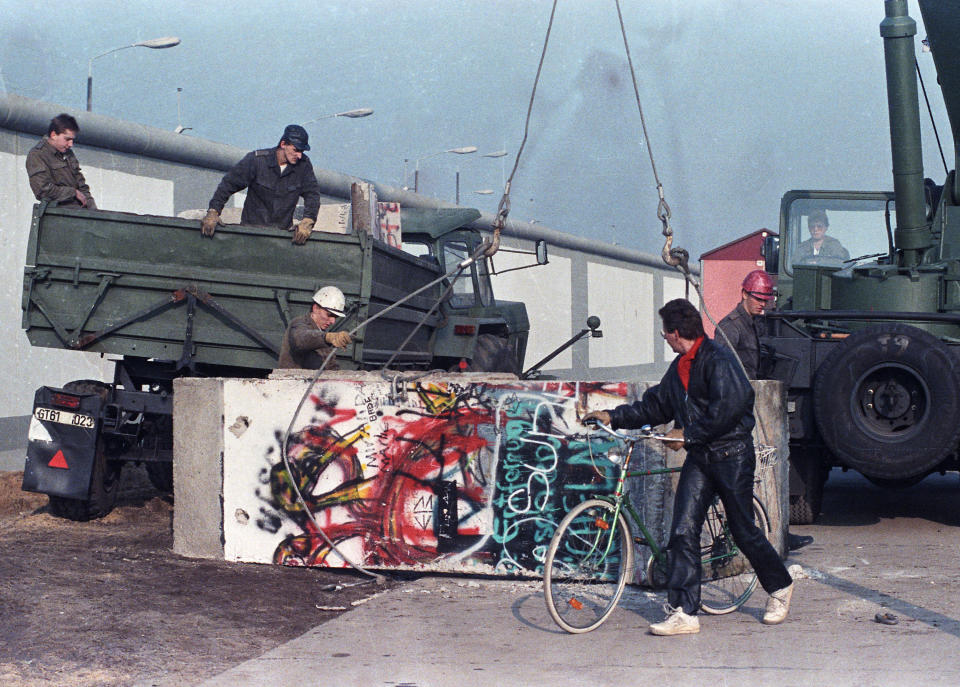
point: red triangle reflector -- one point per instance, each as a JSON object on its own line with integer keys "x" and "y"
{"x": 59, "y": 461}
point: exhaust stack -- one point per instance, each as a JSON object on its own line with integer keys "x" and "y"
{"x": 912, "y": 235}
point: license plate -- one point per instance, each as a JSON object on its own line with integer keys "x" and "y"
{"x": 64, "y": 417}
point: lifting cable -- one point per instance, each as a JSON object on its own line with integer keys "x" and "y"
{"x": 486, "y": 250}
{"x": 675, "y": 257}
{"x": 504, "y": 208}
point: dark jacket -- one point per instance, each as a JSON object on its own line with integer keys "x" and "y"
{"x": 56, "y": 176}
{"x": 830, "y": 248}
{"x": 716, "y": 410}
{"x": 744, "y": 333}
{"x": 271, "y": 196}
{"x": 304, "y": 346}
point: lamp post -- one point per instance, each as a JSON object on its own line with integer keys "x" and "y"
{"x": 464, "y": 150}
{"x": 352, "y": 114}
{"x": 180, "y": 127}
{"x": 154, "y": 43}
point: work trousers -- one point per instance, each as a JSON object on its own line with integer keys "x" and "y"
{"x": 729, "y": 474}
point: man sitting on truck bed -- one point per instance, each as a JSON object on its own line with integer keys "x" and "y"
{"x": 275, "y": 178}
{"x": 307, "y": 343}
{"x": 53, "y": 168}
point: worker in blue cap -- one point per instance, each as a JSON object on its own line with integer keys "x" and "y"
{"x": 275, "y": 179}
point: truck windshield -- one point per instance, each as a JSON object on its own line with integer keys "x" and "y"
{"x": 465, "y": 290}
{"x": 834, "y": 231}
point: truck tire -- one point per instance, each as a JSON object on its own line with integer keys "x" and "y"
{"x": 104, "y": 478}
{"x": 161, "y": 476}
{"x": 805, "y": 506}
{"x": 493, "y": 354}
{"x": 887, "y": 401}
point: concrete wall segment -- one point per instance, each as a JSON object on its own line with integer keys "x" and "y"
{"x": 198, "y": 481}
{"x": 436, "y": 474}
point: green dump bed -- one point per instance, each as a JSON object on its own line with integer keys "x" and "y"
{"x": 153, "y": 287}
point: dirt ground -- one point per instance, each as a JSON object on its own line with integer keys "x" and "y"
{"x": 107, "y": 602}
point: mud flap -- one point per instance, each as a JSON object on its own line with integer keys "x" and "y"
{"x": 62, "y": 445}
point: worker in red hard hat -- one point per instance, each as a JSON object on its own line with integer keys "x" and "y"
{"x": 742, "y": 325}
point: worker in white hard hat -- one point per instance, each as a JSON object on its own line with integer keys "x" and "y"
{"x": 307, "y": 343}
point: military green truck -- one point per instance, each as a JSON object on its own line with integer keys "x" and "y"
{"x": 866, "y": 332}
{"x": 168, "y": 302}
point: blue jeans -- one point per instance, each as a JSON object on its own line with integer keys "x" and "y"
{"x": 704, "y": 475}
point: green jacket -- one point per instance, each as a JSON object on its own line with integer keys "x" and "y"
{"x": 56, "y": 176}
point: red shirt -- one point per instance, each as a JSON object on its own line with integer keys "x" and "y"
{"x": 686, "y": 360}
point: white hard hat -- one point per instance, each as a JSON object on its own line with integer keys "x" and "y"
{"x": 330, "y": 298}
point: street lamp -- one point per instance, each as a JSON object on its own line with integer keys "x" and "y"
{"x": 456, "y": 151}
{"x": 352, "y": 114}
{"x": 180, "y": 127}
{"x": 503, "y": 168}
{"x": 154, "y": 43}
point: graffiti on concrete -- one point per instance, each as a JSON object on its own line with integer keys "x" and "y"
{"x": 444, "y": 475}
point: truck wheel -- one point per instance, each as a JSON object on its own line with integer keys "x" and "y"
{"x": 805, "y": 506}
{"x": 493, "y": 354}
{"x": 887, "y": 401}
{"x": 161, "y": 476}
{"x": 103, "y": 491}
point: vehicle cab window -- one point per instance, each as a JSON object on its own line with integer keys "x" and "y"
{"x": 835, "y": 232}
{"x": 473, "y": 286}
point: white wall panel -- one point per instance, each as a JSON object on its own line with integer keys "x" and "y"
{"x": 623, "y": 300}
{"x": 546, "y": 291}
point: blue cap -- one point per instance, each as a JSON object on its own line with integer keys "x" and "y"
{"x": 296, "y": 135}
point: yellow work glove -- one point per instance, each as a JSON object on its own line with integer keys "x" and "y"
{"x": 676, "y": 433}
{"x": 338, "y": 339}
{"x": 601, "y": 416}
{"x": 304, "y": 229}
{"x": 209, "y": 223}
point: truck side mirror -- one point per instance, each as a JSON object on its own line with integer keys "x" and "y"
{"x": 542, "y": 252}
{"x": 771, "y": 254}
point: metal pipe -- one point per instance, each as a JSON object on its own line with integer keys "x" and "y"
{"x": 912, "y": 235}
{"x": 29, "y": 116}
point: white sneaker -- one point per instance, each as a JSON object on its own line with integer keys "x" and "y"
{"x": 777, "y": 606}
{"x": 676, "y": 623}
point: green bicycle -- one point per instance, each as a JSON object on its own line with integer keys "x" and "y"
{"x": 591, "y": 555}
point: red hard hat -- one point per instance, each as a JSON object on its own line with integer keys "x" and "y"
{"x": 759, "y": 285}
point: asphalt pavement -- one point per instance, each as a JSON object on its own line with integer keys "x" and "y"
{"x": 878, "y": 554}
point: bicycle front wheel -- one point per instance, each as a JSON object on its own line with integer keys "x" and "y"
{"x": 589, "y": 561}
{"x": 727, "y": 579}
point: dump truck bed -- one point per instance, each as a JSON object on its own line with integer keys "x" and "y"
{"x": 152, "y": 287}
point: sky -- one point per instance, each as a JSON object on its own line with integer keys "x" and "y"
{"x": 743, "y": 100}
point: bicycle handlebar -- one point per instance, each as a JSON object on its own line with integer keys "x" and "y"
{"x": 646, "y": 432}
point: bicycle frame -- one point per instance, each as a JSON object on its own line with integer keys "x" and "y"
{"x": 621, "y": 501}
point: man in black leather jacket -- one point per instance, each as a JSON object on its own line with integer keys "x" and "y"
{"x": 710, "y": 402}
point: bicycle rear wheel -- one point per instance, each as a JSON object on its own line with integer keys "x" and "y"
{"x": 727, "y": 579}
{"x": 588, "y": 563}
